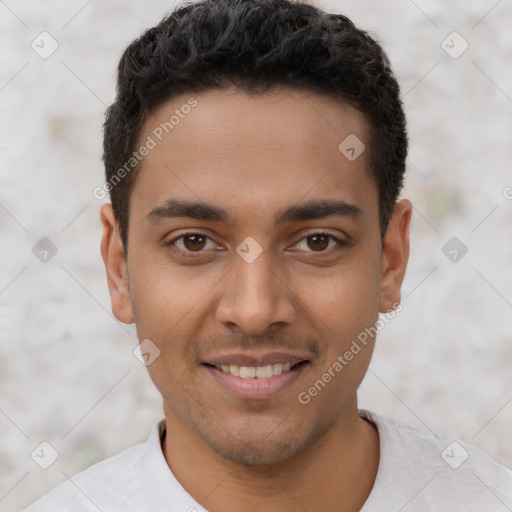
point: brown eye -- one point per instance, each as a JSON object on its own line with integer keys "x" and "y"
{"x": 194, "y": 242}
{"x": 318, "y": 242}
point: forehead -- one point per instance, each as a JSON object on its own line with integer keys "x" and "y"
{"x": 254, "y": 151}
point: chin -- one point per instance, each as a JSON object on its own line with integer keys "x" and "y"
{"x": 257, "y": 448}
{"x": 255, "y": 453}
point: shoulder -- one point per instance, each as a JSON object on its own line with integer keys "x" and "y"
{"x": 423, "y": 468}
{"x": 99, "y": 487}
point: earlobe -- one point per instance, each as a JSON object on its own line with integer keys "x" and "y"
{"x": 115, "y": 266}
{"x": 395, "y": 256}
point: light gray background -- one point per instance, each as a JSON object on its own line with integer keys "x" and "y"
{"x": 67, "y": 372}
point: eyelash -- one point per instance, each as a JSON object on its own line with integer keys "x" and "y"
{"x": 337, "y": 240}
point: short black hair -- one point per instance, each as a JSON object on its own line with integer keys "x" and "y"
{"x": 255, "y": 46}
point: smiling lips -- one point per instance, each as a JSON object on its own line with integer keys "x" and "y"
{"x": 260, "y": 366}
{"x": 255, "y": 372}
{"x": 256, "y": 377}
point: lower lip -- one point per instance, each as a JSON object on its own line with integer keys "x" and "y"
{"x": 254, "y": 387}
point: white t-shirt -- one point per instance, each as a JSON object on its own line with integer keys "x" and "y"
{"x": 418, "y": 471}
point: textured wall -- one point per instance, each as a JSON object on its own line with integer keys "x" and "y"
{"x": 67, "y": 372}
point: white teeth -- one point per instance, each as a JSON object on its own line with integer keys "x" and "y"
{"x": 247, "y": 372}
{"x": 264, "y": 372}
{"x": 251, "y": 372}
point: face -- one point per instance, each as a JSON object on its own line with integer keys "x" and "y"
{"x": 254, "y": 262}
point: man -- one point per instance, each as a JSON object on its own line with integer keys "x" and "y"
{"x": 254, "y": 157}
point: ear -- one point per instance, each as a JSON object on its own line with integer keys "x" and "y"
{"x": 116, "y": 266}
{"x": 395, "y": 255}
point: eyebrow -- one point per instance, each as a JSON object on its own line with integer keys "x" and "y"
{"x": 311, "y": 210}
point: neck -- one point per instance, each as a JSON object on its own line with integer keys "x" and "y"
{"x": 336, "y": 472}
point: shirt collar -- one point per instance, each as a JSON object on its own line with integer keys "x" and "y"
{"x": 160, "y": 487}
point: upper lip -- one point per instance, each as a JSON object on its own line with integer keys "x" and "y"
{"x": 256, "y": 359}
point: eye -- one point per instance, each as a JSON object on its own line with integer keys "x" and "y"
{"x": 195, "y": 242}
{"x": 318, "y": 242}
{"x": 192, "y": 242}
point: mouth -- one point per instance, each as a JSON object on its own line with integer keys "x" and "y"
{"x": 257, "y": 372}
{"x": 253, "y": 380}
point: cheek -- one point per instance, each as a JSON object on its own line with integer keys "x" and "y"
{"x": 170, "y": 307}
{"x": 347, "y": 299}
{"x": 157, "y": 305}
{"x": 168, "y": 294}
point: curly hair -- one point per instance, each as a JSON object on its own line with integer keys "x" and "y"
{"x": 255, "y": 46}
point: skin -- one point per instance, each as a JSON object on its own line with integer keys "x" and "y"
{"x": 307, "y": 296}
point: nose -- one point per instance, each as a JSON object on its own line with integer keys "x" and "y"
{"x": 256, "y": 296}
